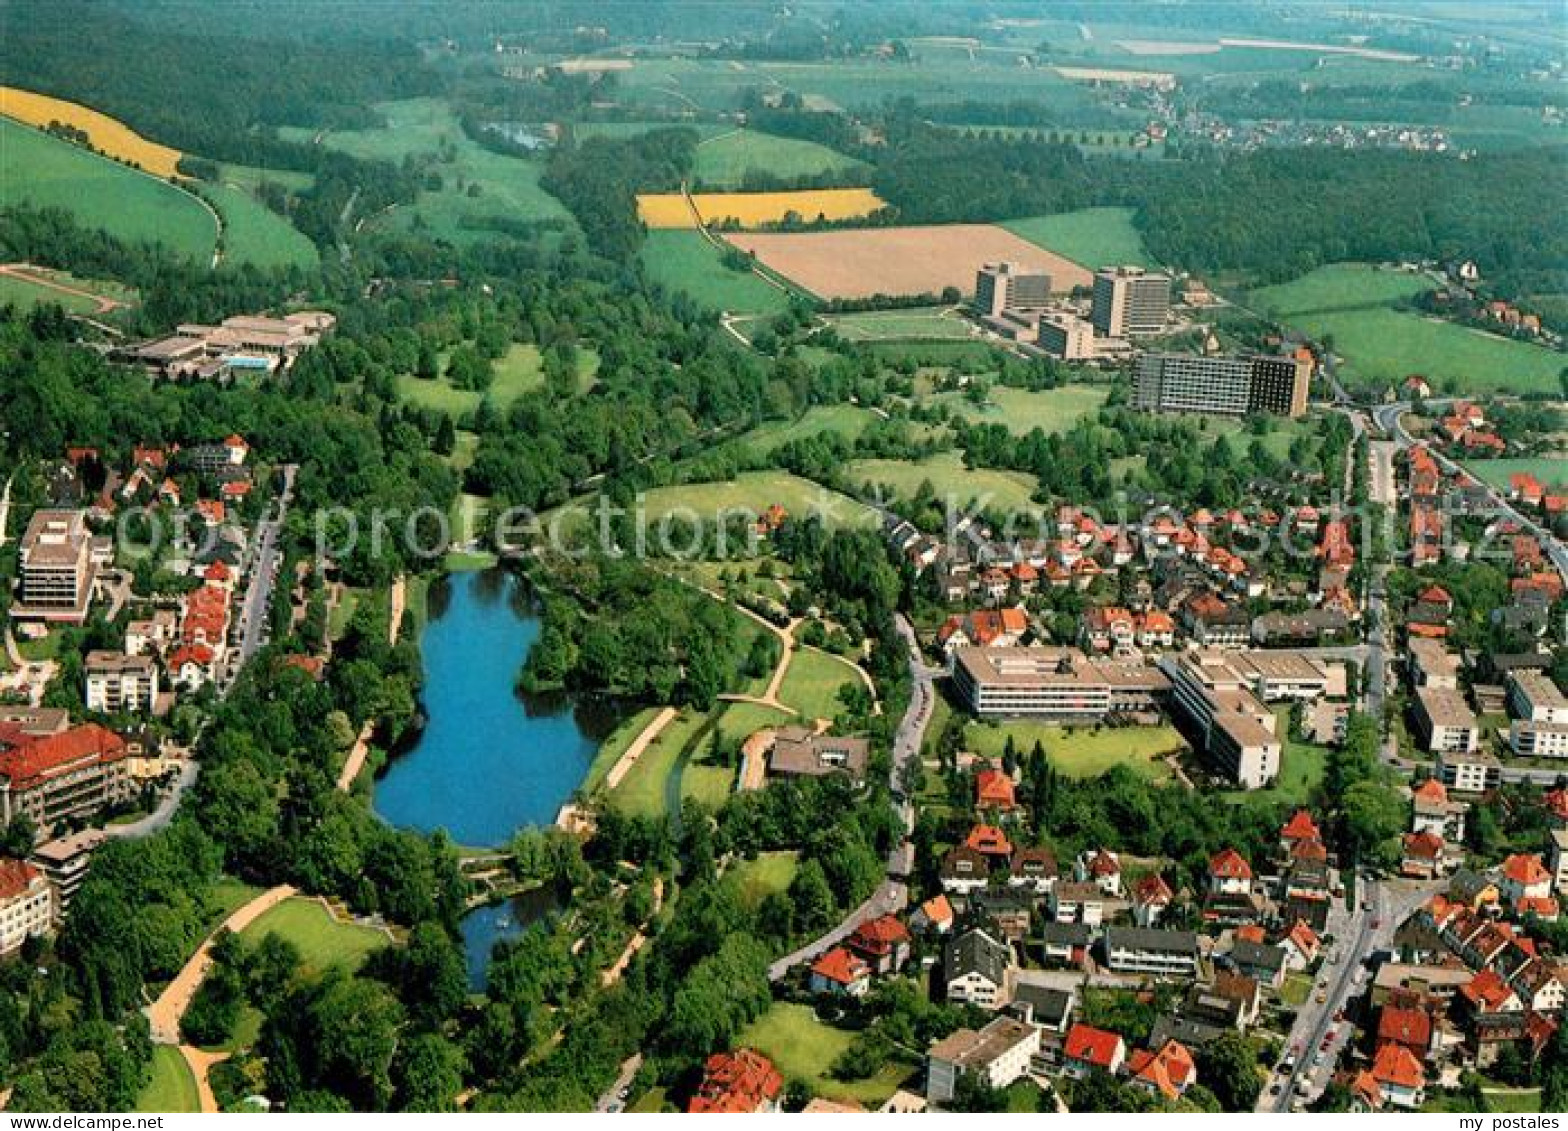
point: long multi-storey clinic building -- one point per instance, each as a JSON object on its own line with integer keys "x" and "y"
{"x": 1222, "y": 386}
{"x": 1009, "y": 286}
{"x": 1129, "y": 301}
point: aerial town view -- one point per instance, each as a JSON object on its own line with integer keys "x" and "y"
{"x": 841, "y": 556}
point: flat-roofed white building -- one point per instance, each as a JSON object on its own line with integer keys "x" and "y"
{"x": 999, "y": 1054}
{"x": 1538, "y": 740}
{"x": 26, "y": 904}
{"x": 58, "y": 567}
{"x": 119, "y": 683}
{"x": 1432, "y": 664}
{"x": 1533, "y": 696}
{"x": 1445, "y": 722}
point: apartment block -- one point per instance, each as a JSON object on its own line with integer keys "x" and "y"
{"x": 1065, "y": 336}
{"x": 1222, "y": 386}
{"x": 1053, "y": 683}
{"x": 57, "y": 568}
{"x": 26, "y": 904}
{"x": 1129, "y": 302}
{"x": 1538, "y": 740}
{"x": 63, "y": 777}
{"x": 1469, "y": 771}
{"x": 1445, "y": 722}
{"x": 998, "y": 1054}
{"x": 1533, "y": 697}
{"x": 117, "y": 683}
{"x": 1432, "y": 664}
{"x": 1138, "y": 950}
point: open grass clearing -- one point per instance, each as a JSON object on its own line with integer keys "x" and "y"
{"x": 685, "y": 262}
{"x": 137, "y": 207}
{"x": 812, "y": 682}
{"x": 1083, "y": 752}
{"x": 1022, "y": 411}
{"x": 846, "y": 419}
{"x": 754, "y": 880}
{"x": 804, "y": 1048}
{"x": 254, "y": 234}
{"x": 924, "y": 323}
{"x": 753, "y": 492}
{"x": 726, "y": 160}
{"x": 172, "y": 1088}
{"x": 322, "y": 940}
{"x": 1090, "y": 237}
{"x": 1008, "y": 491}
{"x": 1353, "y": 303}
{"x": 1550, "y": 470}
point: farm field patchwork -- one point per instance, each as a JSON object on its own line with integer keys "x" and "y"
{"x": 1353, "y": 303}
{"x": 108, "y": 134}
{"x": 1081, "y": 753}
{"x": 919, "y": 259}
{"x": 1008, "y": 491}
{"x": 136, "y": 207}
{"x": 685, "y": 261}
{"x": 753, "y": 209}
{"x": 1090, "y": 237}
{"x": 725, "y": 160}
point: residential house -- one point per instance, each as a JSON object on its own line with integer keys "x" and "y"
{"x": 1088, "y": 1050}
{"x": 882, "y": 942}
{"x": 1167, "y": 1072}
{"x": 1067, "y": 943}
{"x": 1262, "y": 962}
{"x": 976, "y": 968}
{"x": 1301, "y": 946}
{"x": 1033, "y": 869}
{"x": 964, "y": 870}
{"x": 1077, "y": 903}
{"x": 1399, "y": 1077}
{"x": 840, "y": 971}
{"x": 27, "y": 905}
{"x": 1151, "y": 898}
{"x": 740, "y": 1082}
{"x": 1140, "y": 950}
{"x": 1101, "y": 867}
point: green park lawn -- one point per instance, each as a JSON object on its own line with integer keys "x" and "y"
{"x": 480, "y": 190}
{"x": 1090, "y": 237}
{"x": 254, "y": 234}
{"x": 1354, "y": 304}
{"x": 741, "y": 720}
{"x": 611, "y": 749}
{"x": 1081, "y": 753}
{"x": 321, "y": 939}
{"x": 1551, "y": 470}
{"x": 812, "y": 683}
{"x": 723, "y": 160}
{"x": 804, "y": 1049}
{"x": 846, "y": 419}
{"x": 755, "y": 492}
{"x": 1022, "y": 411}
{"x": 172, "y": 1088}
{"x": 1000, "y": 490}
{"x": 755, "y": 880}
{"x": 46, "y": 172}
{"x": 518, "y": 371}
{"x": 686, "y": 263}
{"x": 641, "y": 792}
{"x": 934, "y": 323}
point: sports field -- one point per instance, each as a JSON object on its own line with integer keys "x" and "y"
{"x": 1007, "y": 491}
{"x": 49, "y": 173}
{"x": 931, "y": 323}
{"x": 108, "y": 134}
{"x": 913, "y": 260}
{"x": 725, "y": 160}
{"x": 478, "y": 187}
{"x": 686, "y": 262}
{"x": 1090, "y": 237}
{"x": 1354, "y": 304}
{"x": 753, "y": 209}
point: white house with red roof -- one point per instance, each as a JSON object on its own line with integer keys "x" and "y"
{"x": 1151, "y": 898}
{"x": 1229, "y": 873}
{"x": 1087, "y": 1050}
{"x": 840, "y": 971}
{"x": 1399, "y": 1076}
{"x": 1102, "y": 868}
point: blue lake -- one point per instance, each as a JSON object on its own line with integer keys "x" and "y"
{"x": 489, "y": 760}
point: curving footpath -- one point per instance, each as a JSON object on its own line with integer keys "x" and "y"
{"x": 168, "y": 1010}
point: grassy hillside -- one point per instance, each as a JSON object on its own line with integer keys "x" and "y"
{"x": 1091, "y": 237}
{"x": 46, "y": 172}
{"x": 723, "y": 161}
{"x": 686, "y": 262}
{"x": 253, "y": 233}
{"x": 478, "y": 187}
{"x": 1354, "y": 304}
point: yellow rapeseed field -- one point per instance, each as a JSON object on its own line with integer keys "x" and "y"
{"x": 751, "y": 209}
{"x": 112, "y": 137}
